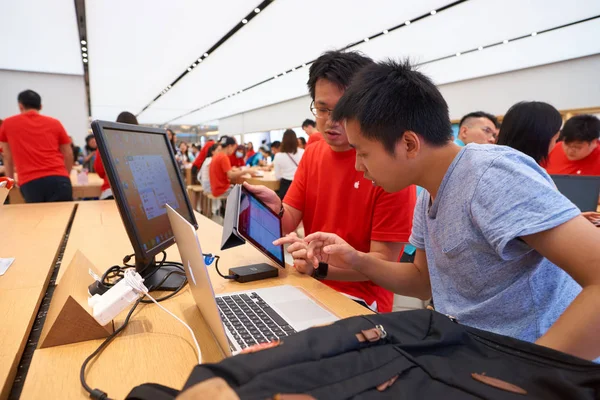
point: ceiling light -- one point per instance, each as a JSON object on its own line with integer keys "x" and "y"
{"x": 480, "y": 48}
{"x": 505, "y": 41}
{"x": 257, "y": 10}
{"x": 293, "y": 69}
{"x": 200, "y": 59}
{"x": 244, "y": 21}
{"x": 194, "y": 65}
{"x": 205, "y": 55}
{"x": 385, "y": 32}
{"x": 84, "y": 54}
{"x": 240, "y": 91}
{"x": 534, "y": 33}
{"x": 189, "y": 70}
{"x": 303, "y": 65}
{"x": 84, "y": 49}
{"x": 85, "y": 60}
{"x": 407, "y": 23}
{"x": 366, "y": 39}
{"x": 83, "y": 42}
{"x": 275, "y": 77}
{"x": 283, "y": 73}
{"x": 433, "y": 12}
{"x": 457, "y": 54}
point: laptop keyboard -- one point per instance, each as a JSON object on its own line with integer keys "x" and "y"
{"x": 250, "y": 320}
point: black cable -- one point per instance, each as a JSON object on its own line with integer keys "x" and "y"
{"x": 158, "y": 300}
{"x": 217, "y": 258}
{"x": 98, "y": 394}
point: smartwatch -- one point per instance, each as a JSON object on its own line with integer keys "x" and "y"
{"x": 320, "y": 272}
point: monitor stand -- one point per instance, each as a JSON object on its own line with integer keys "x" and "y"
{"x": 153, "y": 276}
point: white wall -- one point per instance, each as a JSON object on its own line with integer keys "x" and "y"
{"x": 63, "y": 98}
{"x": 565, "y": 85}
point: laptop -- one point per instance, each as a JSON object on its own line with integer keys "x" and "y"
{"x": 242, "y": 319}
{"x": 583, "y": 191}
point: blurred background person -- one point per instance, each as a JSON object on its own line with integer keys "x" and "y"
{"x": 477, "y": 127}
{"x": 302, "y": 143}
{"x": 310, "y": 128}
{"x": 39, "y": 148}
{"x": 286, "y": 161}
{"x": 89, "y": 156}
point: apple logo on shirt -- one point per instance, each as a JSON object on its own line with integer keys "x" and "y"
{"x": 356, "y": 184}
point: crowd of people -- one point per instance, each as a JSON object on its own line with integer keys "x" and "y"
{"x": 494, "y": 243}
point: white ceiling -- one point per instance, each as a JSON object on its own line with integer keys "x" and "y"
{"x": 137, "y": 47}
{"x": 39, "y": 36}
{"x": 281, "y": 39}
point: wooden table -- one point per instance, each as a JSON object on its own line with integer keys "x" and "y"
{"x": 267, "y": 180}
{"x": 32, "y": 234}
{"x": 80, "y": 191}
{"x": 154, "y": 347}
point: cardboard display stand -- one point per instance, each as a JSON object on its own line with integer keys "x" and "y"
{"x": 69, "y": 319}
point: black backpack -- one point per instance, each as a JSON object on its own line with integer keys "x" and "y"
{"x": 404, "y": 355}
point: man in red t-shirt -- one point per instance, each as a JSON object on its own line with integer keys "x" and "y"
{"x": 310, "y": 127}
{"x": 328, "y": 194}
{"x": 221, "y": 172}
{"x": 579, "y": 152}
{"x": 40, "y": 150}
{"x": 202, "y": 155}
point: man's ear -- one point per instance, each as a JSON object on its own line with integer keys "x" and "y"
{"x": 462, "y": 133}
{"x": 410, "y": 144}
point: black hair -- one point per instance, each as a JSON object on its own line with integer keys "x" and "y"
{"x": 337, "y": 67}
{"x": 581, "y": 128}
{"x": 289, "y": 142}
{"x": 30, "y": 100}
{"x": 89, "y": 148}
{"x": 480, "y": 114}
{"x": 276, "y": 144}
{"x": 211, "y": 150}
{"x": 529, "y": 127}
{"x": 127, "y": 118}
{"x": 390, "y": 98}
{"x": 309, "y": 122}
{"x": 302, "y": 140}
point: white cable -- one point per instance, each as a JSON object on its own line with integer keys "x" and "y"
{"x": 130, "y": 277}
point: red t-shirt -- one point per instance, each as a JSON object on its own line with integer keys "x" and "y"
{"x": 99, "y": 167}
{"x": 250, "y": 154}
{"x": 314, "y": 138}
{"x": 35, "y": 141}
{"x": 559, "y": 164}
{"x": 219, "y": 166}
{"x": 336, "y": 198}
{"x": 202, "y": 155}
{"x": 236, "y": 162}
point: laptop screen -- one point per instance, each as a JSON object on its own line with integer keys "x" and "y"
{"x": 260, "y": 225}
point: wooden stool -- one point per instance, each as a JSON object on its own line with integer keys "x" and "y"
{"x": 195, "y": 195}
{"x": 207, "y": 204}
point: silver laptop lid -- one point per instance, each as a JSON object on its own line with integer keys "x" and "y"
{"x": 197, "y": 275}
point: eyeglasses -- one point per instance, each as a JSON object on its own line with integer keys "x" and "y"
{"x": 487, "y": 130}
{"x": 320, "y": 112}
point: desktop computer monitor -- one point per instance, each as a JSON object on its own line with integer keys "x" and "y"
{"x": 144, "y": 177}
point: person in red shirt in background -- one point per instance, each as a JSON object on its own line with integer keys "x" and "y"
{"x": 40, "y": 149}
{"x": 249, "y": 150}
{"x": 328, "y": 194}
{"x": 126, "y": 118}
{"x": 237, "y": 159}
{"x": 310, "y": 127}
{"x": 578, "y": 153}
{"x": 199, "y": 160}
{"x": 221, "y": 172}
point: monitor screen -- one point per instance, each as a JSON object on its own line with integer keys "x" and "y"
{"x": 259, "y": 225}
{"x": 146, "y": 174}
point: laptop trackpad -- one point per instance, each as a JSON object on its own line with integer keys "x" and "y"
{"x": 302, "y": 310}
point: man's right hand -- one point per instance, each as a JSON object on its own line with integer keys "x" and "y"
{"x": 266, "y": 195}
{"x": 331, "y": 249}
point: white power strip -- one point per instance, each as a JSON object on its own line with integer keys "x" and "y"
{"x": 107, "y": 306}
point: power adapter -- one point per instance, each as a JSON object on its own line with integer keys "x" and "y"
{"x": 254, "y": 272}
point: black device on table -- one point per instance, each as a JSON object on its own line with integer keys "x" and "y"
{"x": 144, "y": 176}
{"x": 247, "y": 218}
{"x": 583, "y": 191}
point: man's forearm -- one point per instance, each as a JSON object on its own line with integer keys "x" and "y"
{"x": 401, "y": 278}
{"x": 576, "y": 331}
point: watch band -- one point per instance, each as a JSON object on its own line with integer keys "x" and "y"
{"x": 320, "y": 272}
{"x": 281, "y": 210}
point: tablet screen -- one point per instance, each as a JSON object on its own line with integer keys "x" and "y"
{"x": 259, "y": 225}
